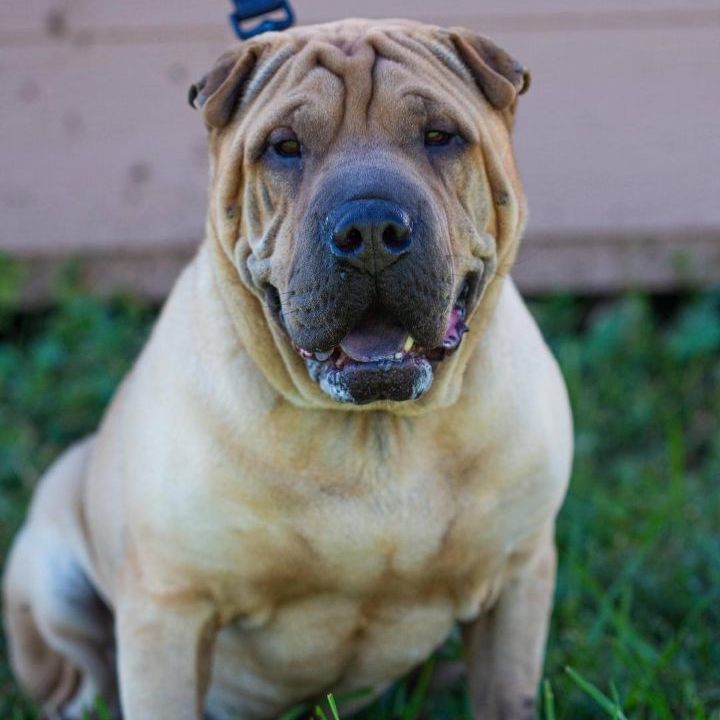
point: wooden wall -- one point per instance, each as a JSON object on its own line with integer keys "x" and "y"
{"x": 618, "y": 140}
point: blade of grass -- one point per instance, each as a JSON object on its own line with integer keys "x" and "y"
{"x": 333, "y": 706}
{"x": 413, "y": 708}
{"x": 400, "y": 700}
{"x": 596, "y": 694}
{"x": 101, "y": 709}
{"x": 548, "y": 701}
{"x": 616, "y": 700}
{"x": 295, "y": 713}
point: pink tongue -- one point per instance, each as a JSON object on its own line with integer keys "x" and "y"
{"x": 374, "y": 338}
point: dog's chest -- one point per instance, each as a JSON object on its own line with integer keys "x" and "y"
{"x": 347, "y": 575}
{"x": 416, "y": 536}
{"x": 354, "y": 588}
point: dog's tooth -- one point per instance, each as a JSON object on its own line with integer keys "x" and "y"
{"x": 323, "y": 356}
{"x": 398, "y": 356}
{"x": 409, "y": 342}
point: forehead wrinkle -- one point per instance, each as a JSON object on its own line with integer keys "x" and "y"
{"x": 436, "y": 60}
{"x": 266, "y": 72}
{"x": 430, "y": 66}
{"x": 434, "y": 52}
{"x": 354, "y": 67}
{"x": 373, "y": 80}
{"x": 314, "y": 110}
{"x": 447, "y": 57}
{"x": 311, "y": 58}
{"x": 329, "y": 56}
{"x": 385, "y": 46}
{"x": 427, "y": 81}
{"x": 435, "y": 105}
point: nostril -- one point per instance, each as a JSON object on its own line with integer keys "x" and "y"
{"x": 395, "y": 237}
{"x": 354, "y": 239}
{"x": 348, "y": 240}
{"x": 369, "y": 231}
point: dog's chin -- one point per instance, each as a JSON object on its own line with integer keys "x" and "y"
{"x": 380, "y": 361}
{"x": 361, "y": 383}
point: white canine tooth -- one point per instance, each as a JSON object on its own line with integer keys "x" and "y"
{"x": 323, "y": 356}
{"x": 409, "y": 342}
{"x": 398, "y": 356}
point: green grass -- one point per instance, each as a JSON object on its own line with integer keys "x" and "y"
{"x": 636, "y": 627}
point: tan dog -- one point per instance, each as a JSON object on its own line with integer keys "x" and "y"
{"x": 310, "y": 475}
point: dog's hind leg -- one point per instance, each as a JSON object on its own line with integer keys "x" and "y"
{"x": 59, "y": 630}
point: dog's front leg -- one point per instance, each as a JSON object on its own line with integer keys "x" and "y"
{"x": 505, "y": 647}
{"x": 164, "y": 655}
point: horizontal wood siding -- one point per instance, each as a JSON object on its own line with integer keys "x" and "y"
{"x": 617, "y": 141}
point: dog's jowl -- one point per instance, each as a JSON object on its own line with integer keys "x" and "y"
{"x": 345, "y": 433}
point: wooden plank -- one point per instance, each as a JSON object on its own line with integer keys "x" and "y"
{"x": 589, "y": 265}
{"x": 619, "y": 132}
{"x": 618, "y": 137}
{"x": 605, "y": 262}
{"x": 100, "y": 146}
{"x": 102, "y": 149}
{"x": 32, "y": 20}
{"x": 144, "y": 272}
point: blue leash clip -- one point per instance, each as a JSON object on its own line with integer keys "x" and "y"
{"x": 246, "y": 10}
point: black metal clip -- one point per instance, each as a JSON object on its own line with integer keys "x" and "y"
{"x": 251, "y": 9}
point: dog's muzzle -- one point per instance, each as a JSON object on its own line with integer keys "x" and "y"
{"x": 371, "y": 303}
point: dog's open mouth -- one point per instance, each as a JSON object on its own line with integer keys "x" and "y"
{"x": 379, "y": 360}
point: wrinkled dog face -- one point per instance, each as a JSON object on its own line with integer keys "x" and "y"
{"x": 354, "y": 193}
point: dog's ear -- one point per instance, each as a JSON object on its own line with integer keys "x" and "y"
{"x": 220, "y": 91}
{"x": 500, "y": 77}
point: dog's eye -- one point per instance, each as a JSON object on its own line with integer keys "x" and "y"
{"x": 284, "y": 144}
{"x": 437, "y": 138}
{"x": 288, "y": 148}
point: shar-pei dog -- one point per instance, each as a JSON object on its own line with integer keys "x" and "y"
{"x": 345, "y": 434}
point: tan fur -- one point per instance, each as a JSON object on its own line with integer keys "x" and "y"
{"x": 256, "y": 543}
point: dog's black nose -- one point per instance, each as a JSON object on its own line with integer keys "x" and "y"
{"x": 370, "y": 234}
